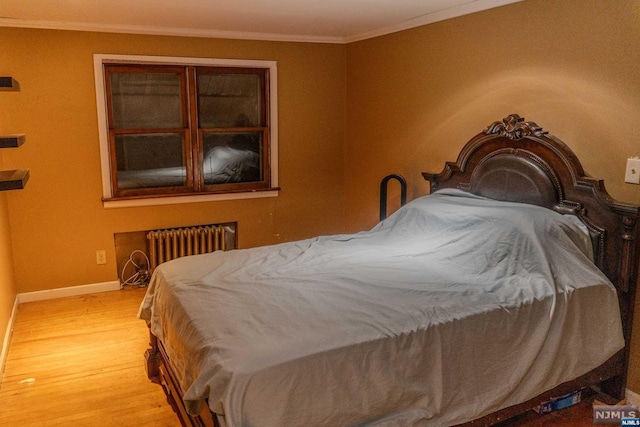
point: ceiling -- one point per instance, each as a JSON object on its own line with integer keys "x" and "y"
{"x": 322, "y": 21}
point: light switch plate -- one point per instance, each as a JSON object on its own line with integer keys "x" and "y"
{"x": 632, "y": 174}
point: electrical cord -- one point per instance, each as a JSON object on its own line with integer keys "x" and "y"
{"x": 140, "y": 277}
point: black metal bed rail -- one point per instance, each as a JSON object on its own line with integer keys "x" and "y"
{"x": 383, "y": 192}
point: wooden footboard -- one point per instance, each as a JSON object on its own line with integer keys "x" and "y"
{"x": 159, "y": 371}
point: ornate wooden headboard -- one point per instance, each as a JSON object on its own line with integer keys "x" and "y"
{"x": 516, "y": 160}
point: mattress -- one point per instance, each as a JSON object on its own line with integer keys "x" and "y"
{"x": 452, "y": 308}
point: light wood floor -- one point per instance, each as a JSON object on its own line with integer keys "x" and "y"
{"x": 78, "y": 361}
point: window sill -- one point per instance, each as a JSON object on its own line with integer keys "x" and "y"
{"x": 189, "y": 198}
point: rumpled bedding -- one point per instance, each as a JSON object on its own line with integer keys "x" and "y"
{"x": 452, "y": 308}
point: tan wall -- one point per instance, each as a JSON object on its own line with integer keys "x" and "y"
{"x": 414, "y": 98}
{"x": 58, "y": 222}
{"x": 7, "y": 284}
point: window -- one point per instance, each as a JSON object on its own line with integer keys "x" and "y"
{"x": 186, "y": 128}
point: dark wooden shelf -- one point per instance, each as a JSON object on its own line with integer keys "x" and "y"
{"x": 11, "y": 141}
{"x": 13, "y": 179}
{"x": 9, "y": 83}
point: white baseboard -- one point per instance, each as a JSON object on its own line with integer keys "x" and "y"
{"x": 68, "y": 292}
{"x": 7, "y": 337}
{"x": 632, "y": 398}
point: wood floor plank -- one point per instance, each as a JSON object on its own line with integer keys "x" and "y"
{"x": 79, "y": 361}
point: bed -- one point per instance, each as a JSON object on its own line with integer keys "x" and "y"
{"x": 512, "y": 282}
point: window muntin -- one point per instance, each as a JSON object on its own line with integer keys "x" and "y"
{"x": 216, "y": 141}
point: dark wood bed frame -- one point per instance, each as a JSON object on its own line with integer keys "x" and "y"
{"x": 515, "y": 160}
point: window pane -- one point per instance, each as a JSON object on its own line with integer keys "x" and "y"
{"x": 231, "y": 157}
{"x": 146, "y": 100}
{"x": 229, "y": 100}
{"x": 150, "y": 160}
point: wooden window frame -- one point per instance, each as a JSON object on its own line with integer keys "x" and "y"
{"x": 195, "y": 189}
{"x": 264, "y": 129}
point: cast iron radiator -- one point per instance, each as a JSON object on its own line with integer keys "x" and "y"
{"x": 167, "y": 244}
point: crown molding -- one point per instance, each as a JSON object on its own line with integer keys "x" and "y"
{"x": 465, "y": 9}
{"x": 166, "y": 31}
{"x": 454, "y": 12}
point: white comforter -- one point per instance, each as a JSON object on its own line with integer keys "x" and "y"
{"x": 452, "y": 308}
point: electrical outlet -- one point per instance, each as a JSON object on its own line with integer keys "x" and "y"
{"x": 101, "y": 257}
{"x": 632, "y": 174}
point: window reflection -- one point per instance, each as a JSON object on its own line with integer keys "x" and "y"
{"x": 232, "y": 157}
{"x": 150, "y": 160}
{"x": 146, "y": 100}
{"x": 226, "y": 98}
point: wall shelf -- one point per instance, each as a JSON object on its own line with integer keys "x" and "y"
{"x": 11, "y": 141}
{"x": 13, "y": 179}
{"x": 9, "y": 83}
